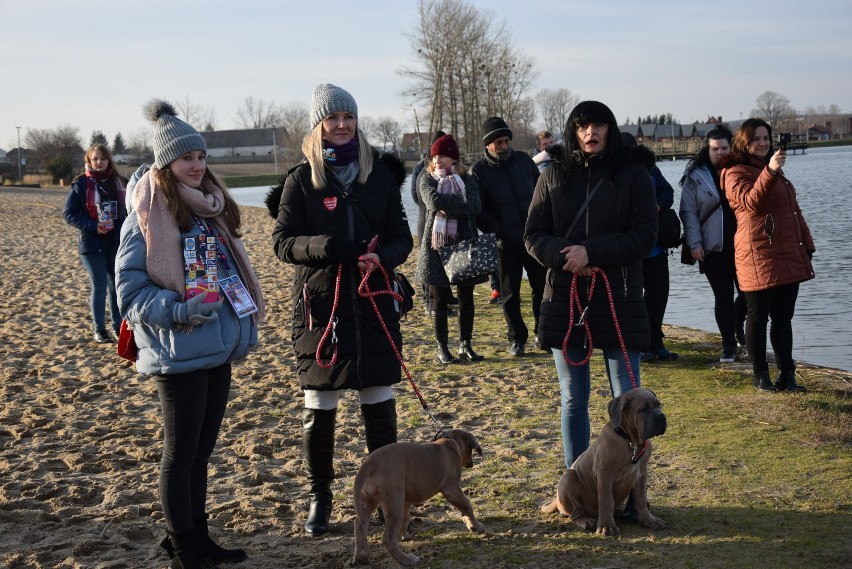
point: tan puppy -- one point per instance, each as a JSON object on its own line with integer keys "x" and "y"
{"x": 614, "y": 467}
{"x": 401, "y": 474}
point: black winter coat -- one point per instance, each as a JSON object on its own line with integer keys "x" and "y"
{"x": 506, "y": 189}
{"x": 618, "y": 229}
{"x": 307, "y": 219}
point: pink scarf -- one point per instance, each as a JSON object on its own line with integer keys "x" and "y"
{"x": 164, "y": 260}
{"x": 445, "y": 229}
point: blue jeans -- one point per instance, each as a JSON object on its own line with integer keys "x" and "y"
{"x": 575, "y": 386}
{"x": 101, "y": 269}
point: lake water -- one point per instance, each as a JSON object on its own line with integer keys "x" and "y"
{"x": 822, "y": 326}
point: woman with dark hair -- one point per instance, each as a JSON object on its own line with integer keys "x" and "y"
{"x": 179, "y": 246}
{"x": 612, "y": 233}
{"x": 95, "y": 206}
{"x": 709, "y": 225}
{"x": 773, "y": 248}
{"x": 338, "y": 212}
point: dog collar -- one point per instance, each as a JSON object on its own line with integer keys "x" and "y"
{"x": 638, "y": 450}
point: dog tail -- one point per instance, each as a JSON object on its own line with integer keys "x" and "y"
{"x": 550, "y": 508}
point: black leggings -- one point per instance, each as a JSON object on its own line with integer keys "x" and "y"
{"x": 718, "y": 267}
{"x": 779, "y": 304}
{"x": 193, "y": 405}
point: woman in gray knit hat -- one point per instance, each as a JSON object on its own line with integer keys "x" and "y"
{"x": 180, "y": 251}
{"x": 342, "y": 197}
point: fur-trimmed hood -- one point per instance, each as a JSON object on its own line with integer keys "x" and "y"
{"x": 394, "y": 164}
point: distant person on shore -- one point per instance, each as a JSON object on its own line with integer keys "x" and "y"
{"x": 506, "y": 182}
{"x": 709, "y": 226}
{"x": 655, "y": 267}
{"x": 451, "y": 197}
{"x": 542, "y": 158}
{"x": 183, "y": 215}
{"x": 773, "y": 248}
{"x": 331, "y": 207}
{"x": 95, "y": 206}
{"x": 612, "y": 234}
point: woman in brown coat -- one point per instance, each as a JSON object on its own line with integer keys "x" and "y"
{"x": 772, "y": 249}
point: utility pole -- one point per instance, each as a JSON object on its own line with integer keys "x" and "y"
{"x": 20, "y": 176}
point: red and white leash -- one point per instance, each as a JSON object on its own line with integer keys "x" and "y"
{"x": 574, "y": 300}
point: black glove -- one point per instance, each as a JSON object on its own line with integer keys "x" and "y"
{"x": 342, "y": 250}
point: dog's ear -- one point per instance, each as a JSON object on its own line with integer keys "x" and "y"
{"x": 615, "y": 407}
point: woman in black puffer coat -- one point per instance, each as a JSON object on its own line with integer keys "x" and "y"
{"x": 329, "y": 209}
{"x": 613, "y": 234}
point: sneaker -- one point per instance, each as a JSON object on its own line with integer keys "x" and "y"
{"x": 517, "y": 350}
{"x": 729, "y": 356}
{"x": 102, "y": 337}
{"x": 664, "y": 354}
{"x": 496, "y": 298}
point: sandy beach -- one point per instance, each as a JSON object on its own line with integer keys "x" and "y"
{"x": 80, "y": 437}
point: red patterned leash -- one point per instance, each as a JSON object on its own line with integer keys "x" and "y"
{"x": 574, "y": 299}
{"x": 365, "y": 292}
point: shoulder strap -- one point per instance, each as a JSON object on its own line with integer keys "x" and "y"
{"x": 583, "y": 207}
{"x": 707, "y": 215}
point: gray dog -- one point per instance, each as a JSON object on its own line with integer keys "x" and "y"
{"x": 401, "y": 474}
{"x": 614, "y": 467}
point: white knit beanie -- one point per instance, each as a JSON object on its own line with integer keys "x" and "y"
{"x": 172, "y": 138}
{"x": 329, "y": 99}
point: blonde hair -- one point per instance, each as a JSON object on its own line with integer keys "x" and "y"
{"x": 312, "y": 149}
{"x": 461, "y": 167}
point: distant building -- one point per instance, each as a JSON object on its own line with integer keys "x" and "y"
{"x": 818, "y": 132}
{"x": 251, "y": 142}
{"x": 410, "y": 142}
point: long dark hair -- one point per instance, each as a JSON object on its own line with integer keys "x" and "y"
{"x": 702, "y": 158}
{"x": 584, "y": 113}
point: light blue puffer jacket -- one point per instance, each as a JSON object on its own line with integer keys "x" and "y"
{"x": 148, "y": 309}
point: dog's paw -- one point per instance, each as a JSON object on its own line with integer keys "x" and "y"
{"x": 406, "y": 558}
{"x": 653, "y": 522}
{"x": 476, "y": 526}
{"x": 359, "y": 560}
{"x": 610, "y": 530}
{"x": 586, "y": 523}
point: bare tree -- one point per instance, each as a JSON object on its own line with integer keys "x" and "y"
{"x": 199, "y": 116}
{"x": 554, "y": 106}
{"x": 464, "y": 72}
{"x": 773, "y": 107}
{"x": 44, "y": 145}
{"x": 139, "y": 145}
{"x": 388, "y": 131}
{"x": 257, "y": 113}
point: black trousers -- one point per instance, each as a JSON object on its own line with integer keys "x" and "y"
{"x": 193, "y": 405}
{"x": 730, "y": 311}
{"x": 779, "y": 304}
{"x": 655, "y": 276}
{"x": 511, "y": 265}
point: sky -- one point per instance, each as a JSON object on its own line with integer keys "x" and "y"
{"x": 92, "y": 65}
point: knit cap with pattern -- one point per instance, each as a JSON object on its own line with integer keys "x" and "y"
{"x": 172, "y": 137}
{"x": 329, "y": 99}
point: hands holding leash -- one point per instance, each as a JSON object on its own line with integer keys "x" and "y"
{"x": 577, "y": 261}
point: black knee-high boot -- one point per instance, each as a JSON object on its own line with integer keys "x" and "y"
{"x": 465, "y": 335}
{"x": 442, "y": 336}
{"x": 318, "y": 443}
{"x": 379, "y": 423}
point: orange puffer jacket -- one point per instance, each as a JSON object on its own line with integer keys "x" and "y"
{"x": 773, "y": 245}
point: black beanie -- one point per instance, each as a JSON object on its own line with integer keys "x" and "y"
{"x": 494, "y": 128}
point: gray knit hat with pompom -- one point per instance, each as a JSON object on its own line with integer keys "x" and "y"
{"x": 173, "y": 138}
{"x": 329, "y": 99}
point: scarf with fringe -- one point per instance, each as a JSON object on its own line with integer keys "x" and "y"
{"x": 164, "y": 260}
{"x": 445, "y": 229}
{"x": 94, "y": 191}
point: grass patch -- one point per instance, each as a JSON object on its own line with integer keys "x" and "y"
{"x": 251, "y": 181}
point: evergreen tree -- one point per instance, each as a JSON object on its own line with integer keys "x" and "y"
{"x": 98, "y": 138}
{"x": 118, "y": 145}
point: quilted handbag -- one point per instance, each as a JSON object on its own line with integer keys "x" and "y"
{"x": 466, "y": 260}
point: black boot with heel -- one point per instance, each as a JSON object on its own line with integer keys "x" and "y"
{"x": 465, "y": 334}
{"x": 442, "y": 335}
{"x": 762, "y": 382}
{"x": 318, "y": 443}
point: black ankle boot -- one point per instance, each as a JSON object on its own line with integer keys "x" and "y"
{"x": 212, "y": 551}
{"x": 444, "y": 355}
{"x": 762, "y": 382}
{"x": 185, "y": 551}
{"x": 466, "y": 352}
{"x": 786, "y": 381}
{"x": 318, "y": 443}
